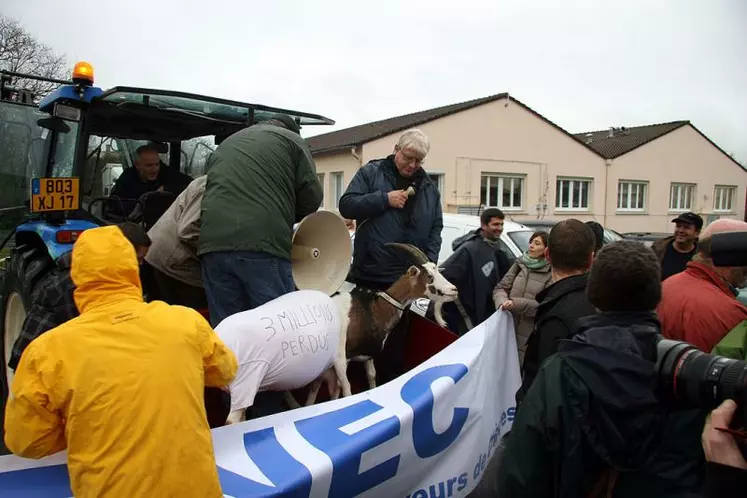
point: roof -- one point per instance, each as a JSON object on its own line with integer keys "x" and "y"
{"x": 624, "y": 140}
{"x": 356, "y": 135}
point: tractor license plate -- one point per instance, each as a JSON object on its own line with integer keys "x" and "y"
{"x": 54, "y": 194}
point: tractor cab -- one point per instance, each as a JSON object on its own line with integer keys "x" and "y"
{"x": 65, "y": 156}
{"x": 96, "y": 134}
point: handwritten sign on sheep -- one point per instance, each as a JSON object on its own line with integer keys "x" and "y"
{"x": 428, "y": 433}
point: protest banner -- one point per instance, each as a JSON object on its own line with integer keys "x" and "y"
{"x": 426, "y": 434}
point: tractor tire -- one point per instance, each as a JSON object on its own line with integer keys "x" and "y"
{"x": 27, "y": 266}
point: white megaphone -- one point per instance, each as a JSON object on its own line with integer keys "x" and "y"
{"x": 321, "y": 252}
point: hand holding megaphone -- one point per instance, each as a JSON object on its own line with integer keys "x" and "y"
{"x": 397, "y": 198}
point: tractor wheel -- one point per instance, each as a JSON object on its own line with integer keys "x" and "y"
{"x": 27, "y": 266}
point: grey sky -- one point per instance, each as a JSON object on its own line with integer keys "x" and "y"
{"x": 582, "y": 64}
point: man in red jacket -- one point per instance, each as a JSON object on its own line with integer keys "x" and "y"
{"x": 699, "y": 305}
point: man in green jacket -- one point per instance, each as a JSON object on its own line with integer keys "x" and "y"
{"x": 260, "y": 181}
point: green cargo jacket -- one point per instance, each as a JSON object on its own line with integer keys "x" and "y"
{"x": 734, "y": 344}
{"x": 260, "y": 181}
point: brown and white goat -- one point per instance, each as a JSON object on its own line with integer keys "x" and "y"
{"x": 367, "y": 317}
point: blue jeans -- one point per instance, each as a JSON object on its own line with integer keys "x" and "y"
{"x": 237, "y": 281}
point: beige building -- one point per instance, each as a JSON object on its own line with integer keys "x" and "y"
{"x": 496, "y": 151}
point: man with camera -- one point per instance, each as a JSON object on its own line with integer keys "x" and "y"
{"x": 592, "y": 423}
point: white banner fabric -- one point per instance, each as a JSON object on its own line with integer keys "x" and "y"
{"x": 426, "y": 434}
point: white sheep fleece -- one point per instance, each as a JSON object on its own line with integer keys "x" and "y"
{"x": 282, "y": 345}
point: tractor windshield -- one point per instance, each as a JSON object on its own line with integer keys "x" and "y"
{"x": 108, "y": 157}
{"x": 185, "y": 129}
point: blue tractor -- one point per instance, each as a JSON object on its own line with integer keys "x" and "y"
{"x": 59, "y": 160}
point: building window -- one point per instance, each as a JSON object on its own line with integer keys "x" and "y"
{"x": 320, "y": 177}
{"x": 572, "y": 194}
{"x": 502, "y": 191}
{"x": 723, "y": 198}
{"x": 631, "y": 196}
{"x": 438, "y": 179}
{"x": 338, "y": 187}
{"x": 681, "y": 196}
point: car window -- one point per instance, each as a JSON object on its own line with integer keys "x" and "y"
{"x": 521, "y": 239}
{"x": 448, "y": 235}
{"x": 507, "y": 251}
{"x": 611, "y": 236}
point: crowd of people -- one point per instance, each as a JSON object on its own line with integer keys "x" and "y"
{"x": 102, "y": 360}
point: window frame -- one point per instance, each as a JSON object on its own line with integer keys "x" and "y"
{"x": 336, "y": 196}
{"x": 321, "y": 177}
{"x": 641, "y": 183}
{"x": 680, "y": 186}
{"x": 439, "y": 179}
{"x": 724, "y": 188}
{"x": 501, "y": 177}
{"x": 589, "y": 185}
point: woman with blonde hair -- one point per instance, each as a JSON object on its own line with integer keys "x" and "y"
{"x": 516, "y": 292}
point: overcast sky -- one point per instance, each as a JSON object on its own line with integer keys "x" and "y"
{"x": 585, "y": 65}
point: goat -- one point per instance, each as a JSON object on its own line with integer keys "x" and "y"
{"x": 367, "y": 317}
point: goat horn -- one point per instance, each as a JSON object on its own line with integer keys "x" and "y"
{"x": 416, "y": 253}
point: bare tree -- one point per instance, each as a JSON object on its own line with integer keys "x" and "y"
{"x": 21, "y": 52}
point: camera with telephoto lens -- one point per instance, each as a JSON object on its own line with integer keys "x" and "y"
{"x": 692, "y": 378}
{"x": 688, "y": 377}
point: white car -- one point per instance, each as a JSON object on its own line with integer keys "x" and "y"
{"x": 514, "y": 242}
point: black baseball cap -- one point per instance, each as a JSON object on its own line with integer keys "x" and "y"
{"x": 690, "y": 218}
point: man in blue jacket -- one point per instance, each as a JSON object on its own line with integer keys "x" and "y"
{"x": 385, "y": 212}
{"x": 377, "y": 199}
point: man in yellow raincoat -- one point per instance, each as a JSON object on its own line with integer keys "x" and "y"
{"x": 121, "y": 386}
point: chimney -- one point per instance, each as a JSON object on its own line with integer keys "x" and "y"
{"x": 589, "y": 138}
{"x": 611, "y": 133}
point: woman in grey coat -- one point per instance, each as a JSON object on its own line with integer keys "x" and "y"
{"x": 515, "y": 293}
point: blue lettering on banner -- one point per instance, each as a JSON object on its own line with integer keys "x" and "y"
{"x": 508, "y": 416}
{"x": 417, "y": 393}
{"x": 291, "y": 478}
{"x": 345, "y": 451}
{"x": 443, "y": 489}
{"x": 39, "y": 482}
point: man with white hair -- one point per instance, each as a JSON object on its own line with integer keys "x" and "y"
{"x": 699, "y": 305}
{"x": 392, "y": 200}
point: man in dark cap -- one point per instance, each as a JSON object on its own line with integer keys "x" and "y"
{"x": 676, "y": 251}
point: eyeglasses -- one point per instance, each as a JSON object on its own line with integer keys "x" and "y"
{"x": 412, "y": 159}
